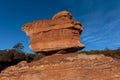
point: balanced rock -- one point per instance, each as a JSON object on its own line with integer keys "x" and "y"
{"x": 51, "y": 36}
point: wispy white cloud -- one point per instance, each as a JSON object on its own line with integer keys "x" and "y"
{"x": 101, "y": 28}
{"x": 88, "y": 38}
{"x": 94, "y": 40}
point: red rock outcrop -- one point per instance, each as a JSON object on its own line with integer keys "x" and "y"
{"x": 50, "y": 36}
{"x": 65, "y": 67}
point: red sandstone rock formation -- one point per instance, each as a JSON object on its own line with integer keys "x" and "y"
{"x": 65, "y": 67}
{"x": 50, "y": 36}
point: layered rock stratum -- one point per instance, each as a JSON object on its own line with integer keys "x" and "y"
{"x": 51, "y": 36}
{"x": 65, "y": 67}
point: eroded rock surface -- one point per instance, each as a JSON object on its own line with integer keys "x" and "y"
{"x": 65, "y": 67}
{"x": 50, "y": 36}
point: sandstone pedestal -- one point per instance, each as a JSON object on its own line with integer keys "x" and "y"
{"x": 65, "y": 67}
{"x": 50, "y": 36}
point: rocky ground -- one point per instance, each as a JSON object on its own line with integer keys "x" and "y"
{"x": 65, "y": 67}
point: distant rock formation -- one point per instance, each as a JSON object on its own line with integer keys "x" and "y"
{"x": 65, "y": 67}
{"x": 51, "y": 36}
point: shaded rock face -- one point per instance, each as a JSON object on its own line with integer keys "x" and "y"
{"x": 65, "y": 67}
{"x": 50, "y": 36}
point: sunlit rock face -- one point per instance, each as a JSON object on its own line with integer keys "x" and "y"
{"x": 65, "y": 67}
{"x": 50, "y": 36}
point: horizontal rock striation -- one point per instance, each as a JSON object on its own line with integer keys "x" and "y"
{"x": 65, "y": 67}
{"x": 50, "y": 36}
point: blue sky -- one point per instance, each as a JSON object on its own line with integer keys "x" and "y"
{"x": 100, "y": 20}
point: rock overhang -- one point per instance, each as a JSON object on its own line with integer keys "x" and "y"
{"x": 60, "y": 33}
